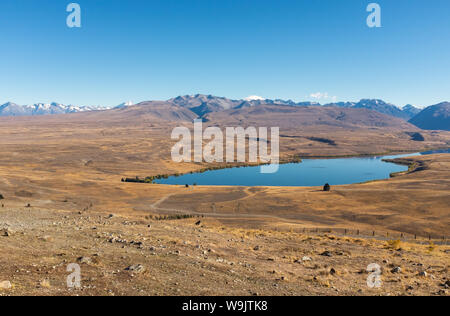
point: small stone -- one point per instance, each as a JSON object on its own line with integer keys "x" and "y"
{"x": 5, "y": 232}
{"x": 137, "y": 268}
{"x": 326, "y": 254}
{"x": 423, "y": 274}
{"x": 332, "y": 271}
{"x": 257, "y": 248}
{"x": 84, "y": 260}
{"x": 46, "y": 238}
{"x": 5, "y": 285}
{"x": 396, "y": 270}
{"x": 305, "y": 258}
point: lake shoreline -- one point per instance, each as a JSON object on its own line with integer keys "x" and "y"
{"x": 292, "y": 160}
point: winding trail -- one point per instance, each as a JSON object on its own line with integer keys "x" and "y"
{"x": 155, "y": 206}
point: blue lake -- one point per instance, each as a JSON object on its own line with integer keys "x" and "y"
{"x": 311, "y": 172}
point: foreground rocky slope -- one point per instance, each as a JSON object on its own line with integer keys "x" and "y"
{"x": 134, "y": 255}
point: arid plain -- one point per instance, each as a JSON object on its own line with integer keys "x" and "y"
{"x": 64, "y": 201}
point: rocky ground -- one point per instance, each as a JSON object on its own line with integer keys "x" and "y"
{"x": 199, "y": 256}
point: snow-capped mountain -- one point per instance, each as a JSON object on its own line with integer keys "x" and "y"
{"x": 411, "y": 110}
{"x": 12, "y": 109}
{"x": 380, "y": 106}
{"x": 202, "y": 105}
{"x": 124, "y": 105}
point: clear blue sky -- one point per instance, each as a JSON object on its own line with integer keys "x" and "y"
{"x": 145, "y": 50}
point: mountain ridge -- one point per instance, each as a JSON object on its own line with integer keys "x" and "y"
{"x": 202, "y": 105}
{"x": 13, "y": 109}
{"x": 205, "y": 104}
{"x": 435, "y": 117}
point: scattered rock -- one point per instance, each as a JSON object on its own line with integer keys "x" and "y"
{"x": 5, "y": 285}
{"x": 396, "y": 270}
{"x": 257, "y": 248}
{"x": 137, "y": 268}
{"x": 5, "y": 232}
{"x": 305, "y": 258}
{"x": 326, "y": 254}
{"x": 198, "y": 223}
{"x": 423, "y": 274}
{"x": 46, "y": 238}
{"x": 84, "y": 260}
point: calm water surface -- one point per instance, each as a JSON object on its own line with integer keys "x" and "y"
{"x": 311, "y": 172}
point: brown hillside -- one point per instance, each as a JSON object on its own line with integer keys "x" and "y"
{"x": 295, "y": 117}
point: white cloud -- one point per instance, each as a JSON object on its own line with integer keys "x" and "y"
{"x": 319, "y": 95}
{"x": 254, "y": 98}
{"x": 323, "y": 95}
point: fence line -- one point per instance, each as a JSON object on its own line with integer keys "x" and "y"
{"x": 384, "y": 235}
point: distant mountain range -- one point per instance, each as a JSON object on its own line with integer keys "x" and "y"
{"x": 204, "y": 104}
{"x": 380, "y": 106}
{"x": 434, "y": 117}
{"x": 12, "y": 109}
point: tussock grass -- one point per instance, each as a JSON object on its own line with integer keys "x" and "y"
{"x": 394, "y": 244}
{"x": 431, "y": 247}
